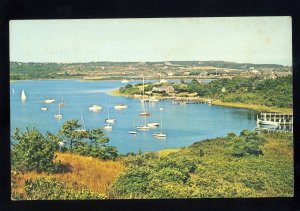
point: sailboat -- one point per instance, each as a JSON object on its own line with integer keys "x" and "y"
{"x": 13, "y": 91}
{"x": 107, "y": 126}
{"x": 82, "y": 124}
{"x": 58, "y": 115}
{"x": 144, "y": 126}
{"x": 108, "y": 120}
{"x": 133, "y": 132}
{"x": 160, "y": 134}
{"x": 62, "y": 102}
{"x": 144, "y": 113}
{"x": 162, "y": 80}
{"x": 23, "y": 96}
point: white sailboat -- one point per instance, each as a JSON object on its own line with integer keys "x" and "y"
{"x": 144, "y": 113}
{"x": 160, "y": 134}
{"x": 162, "y": 80}
{"x": 83, "y": 129}
{"x": 44, "y": 108}
{"x": 144, "y": 126}
{"x": 133, "y": 132}
{"x": 107, "y": 126}
{"x": 109, "y": 120}
{"x": 13, "y": 91}
{"x": 23, "y": 95}
{"x": 58, "y": 115}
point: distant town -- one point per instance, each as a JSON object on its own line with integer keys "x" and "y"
{"x": 149, "y": 70}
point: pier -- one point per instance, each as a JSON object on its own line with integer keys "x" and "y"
{"x": 281, "y": 118}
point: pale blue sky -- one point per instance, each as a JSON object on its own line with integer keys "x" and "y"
{"x": 249, "y": 39}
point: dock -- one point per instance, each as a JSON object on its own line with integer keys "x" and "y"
{"x": 282, "y": 118}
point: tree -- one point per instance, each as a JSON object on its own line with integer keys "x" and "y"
{"x": 33, "y": 151}
{"x": 87, "y": 143}
{"x": 69, "y": 132}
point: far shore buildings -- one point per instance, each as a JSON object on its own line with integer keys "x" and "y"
{"x": 163, "y": 88}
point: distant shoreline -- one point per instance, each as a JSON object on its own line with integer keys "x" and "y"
{"x": 120, "y": 78}
{"x": 258, "y": 108}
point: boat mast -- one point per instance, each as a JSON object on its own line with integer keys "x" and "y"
{"x": 82, "y": 121}
{"x": 160, "y": 122}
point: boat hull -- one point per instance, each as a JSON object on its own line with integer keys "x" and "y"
{"x": 142, "y": 127}
{"x": 262, "y": 122}
{"x": 120, "y": 107}
{"x": 161, "y": 135}
{"x": 144, "y": 114}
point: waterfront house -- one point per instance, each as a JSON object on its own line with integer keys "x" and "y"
{"x": 164, "y": 88}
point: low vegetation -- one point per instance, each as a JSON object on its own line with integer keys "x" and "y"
{"x": 245, "y": 165}
{"x": 86, "y": 173}
{"x": 249, "y": 165}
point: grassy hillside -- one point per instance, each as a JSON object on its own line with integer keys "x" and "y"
{"x": 234, "y": 166}
{"x": 91, "y": 173}
{"x": 248, "y": 165}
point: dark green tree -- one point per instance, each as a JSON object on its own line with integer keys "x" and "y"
{"x": 70, "y": 132}
{"x": 33, "y": 151}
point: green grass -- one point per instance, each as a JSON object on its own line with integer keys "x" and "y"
{"x": 213, "y": 173}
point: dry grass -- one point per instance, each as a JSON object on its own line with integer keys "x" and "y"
{"x": 166, "y": 152}
{"x": 90, "y": 172}
{"x": 254, "y": 107}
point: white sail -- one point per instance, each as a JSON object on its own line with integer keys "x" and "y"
{"x": 23, "y": 96}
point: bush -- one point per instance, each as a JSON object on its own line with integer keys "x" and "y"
{"x": 249, "y": 144}
{"x": 50, "y": 189}
{"x": 33, "y": 151}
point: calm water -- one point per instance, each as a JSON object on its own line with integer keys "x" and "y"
{"x": 183, "y": 124}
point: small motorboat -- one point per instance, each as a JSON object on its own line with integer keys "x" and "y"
{"x": 95, "y": 108}
{"x": 120, "y": 106}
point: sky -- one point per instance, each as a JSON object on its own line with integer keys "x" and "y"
{"x": 259, "y": 40}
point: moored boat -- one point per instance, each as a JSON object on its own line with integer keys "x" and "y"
{"x": 44, "y": 108}
{"x": 120, "y": 106}
{"x": 109, "y": 120}
{"x": 266, "y": 122}
{"x": 144, "y": 114}
{"x": 82, "y": 129}
{"x": 95, "y": 108}
{"x": 153, "y": 124}
{"x": 153, "y": 99}
{"x": 58, "y": 115}
{"x": 160, "y": 134}
{"x": 23, "y": 96}
{"x": 143, "y": 127}
{"x": 107, "y": 126}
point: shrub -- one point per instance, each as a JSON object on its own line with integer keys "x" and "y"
{"x": 33, "y": 151}
{"x": 249, "y": 144}
{"x": 50, "y": 189}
